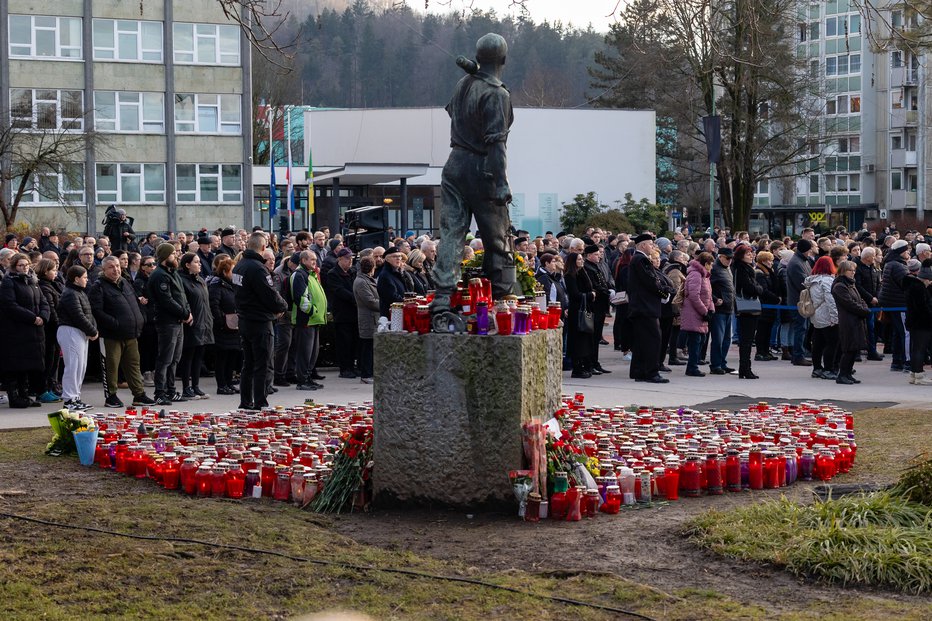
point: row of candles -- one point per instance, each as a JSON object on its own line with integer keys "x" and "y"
{"x": 648, "y": 454}
{"x": 283, "y": 453}
{"x": 510, "y": 316}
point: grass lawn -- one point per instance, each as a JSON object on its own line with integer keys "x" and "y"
{"x": 55, "y": 573}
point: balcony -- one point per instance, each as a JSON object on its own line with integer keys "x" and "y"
{"x": 912, "y": 117}
{"x": 911, "y": 199}
{"x": 901, "y": 158}
{"x": 910, "y": 159}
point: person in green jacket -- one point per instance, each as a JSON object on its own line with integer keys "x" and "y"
{"x": 308, "y": 313}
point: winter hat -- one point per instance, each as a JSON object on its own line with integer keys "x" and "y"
{"x": 164, "y": 251}
{"x": 913, "y": 265}
{"x": 804, "y": 245}
{"x": 898, "y": 245}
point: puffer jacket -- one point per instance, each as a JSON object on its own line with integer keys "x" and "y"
{"x": 697, "y": 299}
{"x": 820, "y": 289}
{"x": 892, "y": 293}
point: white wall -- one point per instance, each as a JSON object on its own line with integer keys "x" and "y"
{"x": 553, "y": 154}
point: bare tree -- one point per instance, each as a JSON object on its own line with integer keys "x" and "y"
{"x": 47, "y": 162}
{"x": 903, "y": 25}
{"x": 735, "y": 59}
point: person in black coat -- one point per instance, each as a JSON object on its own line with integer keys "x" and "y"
{"x": 770, "y": 286}
{"x": 867, "y": 280}
{"x": 258, "y": 305}
{"x": 747, "y": 287}
{"x": 120, "y": 320}
{"x": 342, "y": 304}
{"x": 76, "y": 327}
{"x": 646, "y": 293}
{"x": 600, "y": 305}
{"x": 621, "y": 328}
{"x": 226, "y": 325}
{"x": 172, "y": 310}
{"x": 919, "y": 321}
{"x": 579, "y": 343}
{"x": 391, "y": 284}
{"x": 199, "y": 333}
{"x": 148, "y": 340}
{"x": 25, "y": 312}
{"x": 852, "y": 313}
{"x": 51, "y": 287}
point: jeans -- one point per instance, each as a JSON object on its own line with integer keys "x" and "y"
{"x": 171, "y": 339}
{"x": 284, "y": 350}
{"x": 800, "y": 325}
{"x": 871, "y": 334}
{"x": 307, "y": 345}
{"x": 693, "y": 344}
{"x": 720, "y": 339}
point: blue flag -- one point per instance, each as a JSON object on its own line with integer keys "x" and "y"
{"x": 273, "y": 195}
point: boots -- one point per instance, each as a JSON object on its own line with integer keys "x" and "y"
{"x": 787, "y": 354}
{"x": 920, "y": 379}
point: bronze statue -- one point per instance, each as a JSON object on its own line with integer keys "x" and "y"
{"x": 474, "y": 183}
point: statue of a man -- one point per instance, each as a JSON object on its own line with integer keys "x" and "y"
{"x": 474, "y": 183}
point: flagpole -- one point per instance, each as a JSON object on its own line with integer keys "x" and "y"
{"x": 273, "y": 197}
{"x": 290, "y": 176}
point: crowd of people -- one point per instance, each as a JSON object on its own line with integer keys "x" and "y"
{"x": 253, "y": 308}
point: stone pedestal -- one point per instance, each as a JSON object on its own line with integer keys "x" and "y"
{"x": 449, "y": 410}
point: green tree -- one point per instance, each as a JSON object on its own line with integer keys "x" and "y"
{"x": 644, "y": 215}
{"x": 577, "y": 213}
{"x": 613, "y": 220}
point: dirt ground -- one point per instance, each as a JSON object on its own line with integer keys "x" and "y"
{"x": 645, "y": 545}
{"x": 648, "y": 545}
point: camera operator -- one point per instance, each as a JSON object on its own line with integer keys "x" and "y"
{"x": 119, "y": 229}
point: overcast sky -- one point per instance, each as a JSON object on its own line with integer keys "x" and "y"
{"x": 579, "y": 13}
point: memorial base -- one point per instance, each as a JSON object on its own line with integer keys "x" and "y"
{"x": 449, "y": 410}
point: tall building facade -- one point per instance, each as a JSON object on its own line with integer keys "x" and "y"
{"x": 872, "y": 161}
{"x": 165, "y": 86}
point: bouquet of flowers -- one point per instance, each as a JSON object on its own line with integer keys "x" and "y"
{"x": 523, "y": 271}
{"x": 65, "y": 424}
{"x": 350, "y": 480}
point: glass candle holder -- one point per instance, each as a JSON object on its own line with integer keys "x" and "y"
{"x": 482, "y": 318}
{"x": 503, "y": 318}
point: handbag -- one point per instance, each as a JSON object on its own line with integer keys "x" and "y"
{"x": 620, "y": 297}
{"x": 231, "y": 320}
{"x": 747, "y": 306}
{"x": 585, "y": 322}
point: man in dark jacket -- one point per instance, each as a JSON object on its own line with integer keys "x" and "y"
{"x": 600, "y": 305}
{"x": 120, "y": 322}
{"x": 205, "y": 255}
{"x": 258, "y": 305}
{"x": 227, "y": 239}
{"x": 893, "y": 295}
{"x": 867, "y": 281}
{"x": 148, "y": 340}
{"x": 171, "y": 311}
{"x": 119, "y": 229}
{"x": 342, "y": 304}
{"x": 646, "y": 293}
{"x": 723, "y": 296}
{"x": 797, "y": 270}
{"x": 86, "y": 259}
{"x": 391, "y": 284}
{"x": 284, "y": 330}
{"x": 919, "y": 321}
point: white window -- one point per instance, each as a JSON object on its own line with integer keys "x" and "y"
{"x": 39, "y": 36}
{"x": 840, "y": 184}
{"x": 209, "y": 183}
{"x": 896, "y": 59}
{"x": 46, "y": 109}
{"x": 854, "y": 65}
{"x": 127, "y": 40}
{"x": 831, "y": 65}
{"x": 854, "y": 24}
{"x": 206, "y": 44}
{"x": 762, "y": 187}
{"x": 131, "y": 183}
{"x": 208, "y": 114}
{"x": 63, "y": 183}
{"x": 831, "y": 26}
{"x": 131, "y": 112}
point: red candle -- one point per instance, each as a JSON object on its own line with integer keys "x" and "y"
{"x": 187, "y": 475}
{"x": 268, "y": 478}
{"x": 612, "y": 504}
{"x": 204, "y": 481}
{"x": 733, "y": 471}
{"x": 755, "y": 469}
{"x": 503, "y": 319}
{"x": 235, "y": 481}
{"x": 689, "y": 477}
{"x": 671, "y": 480}
{"x": 171, "y": 471}
{"x": 713, "y": 470}
{"x": 218, "y": 482}
{"x": 282, "y": 488}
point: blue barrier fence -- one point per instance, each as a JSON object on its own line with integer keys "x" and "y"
{"x": 873, "y": 310}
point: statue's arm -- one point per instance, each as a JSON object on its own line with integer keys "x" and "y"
{"x": 498, "y": 117}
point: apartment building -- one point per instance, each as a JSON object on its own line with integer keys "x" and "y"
{"x": 873, "y": 160}
{"x": 166, "y": 86}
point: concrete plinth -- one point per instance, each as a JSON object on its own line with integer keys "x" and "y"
{"x": 449, "y": 410}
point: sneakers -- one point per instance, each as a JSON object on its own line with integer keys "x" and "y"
{"x": 366, "y": 380}
{"x": 162, "y": 400}
{"x": 113, "y": 401}
{"x": 49, "y": 397}
{"x": 148, "y": 378}
{"x": 311, "y": 385}
{"x": 627, "y": 357}
{"x": 200, "y": 393}
{"x": 189, "y": 394}
{"x": 179, "y": 397}
{"x": 143, "y": 399}
{"x": 3, "y": 399}
{"x": 76, "y": 404}
{"x": 226, "y": 390}
{"x": 919, "y": 379}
